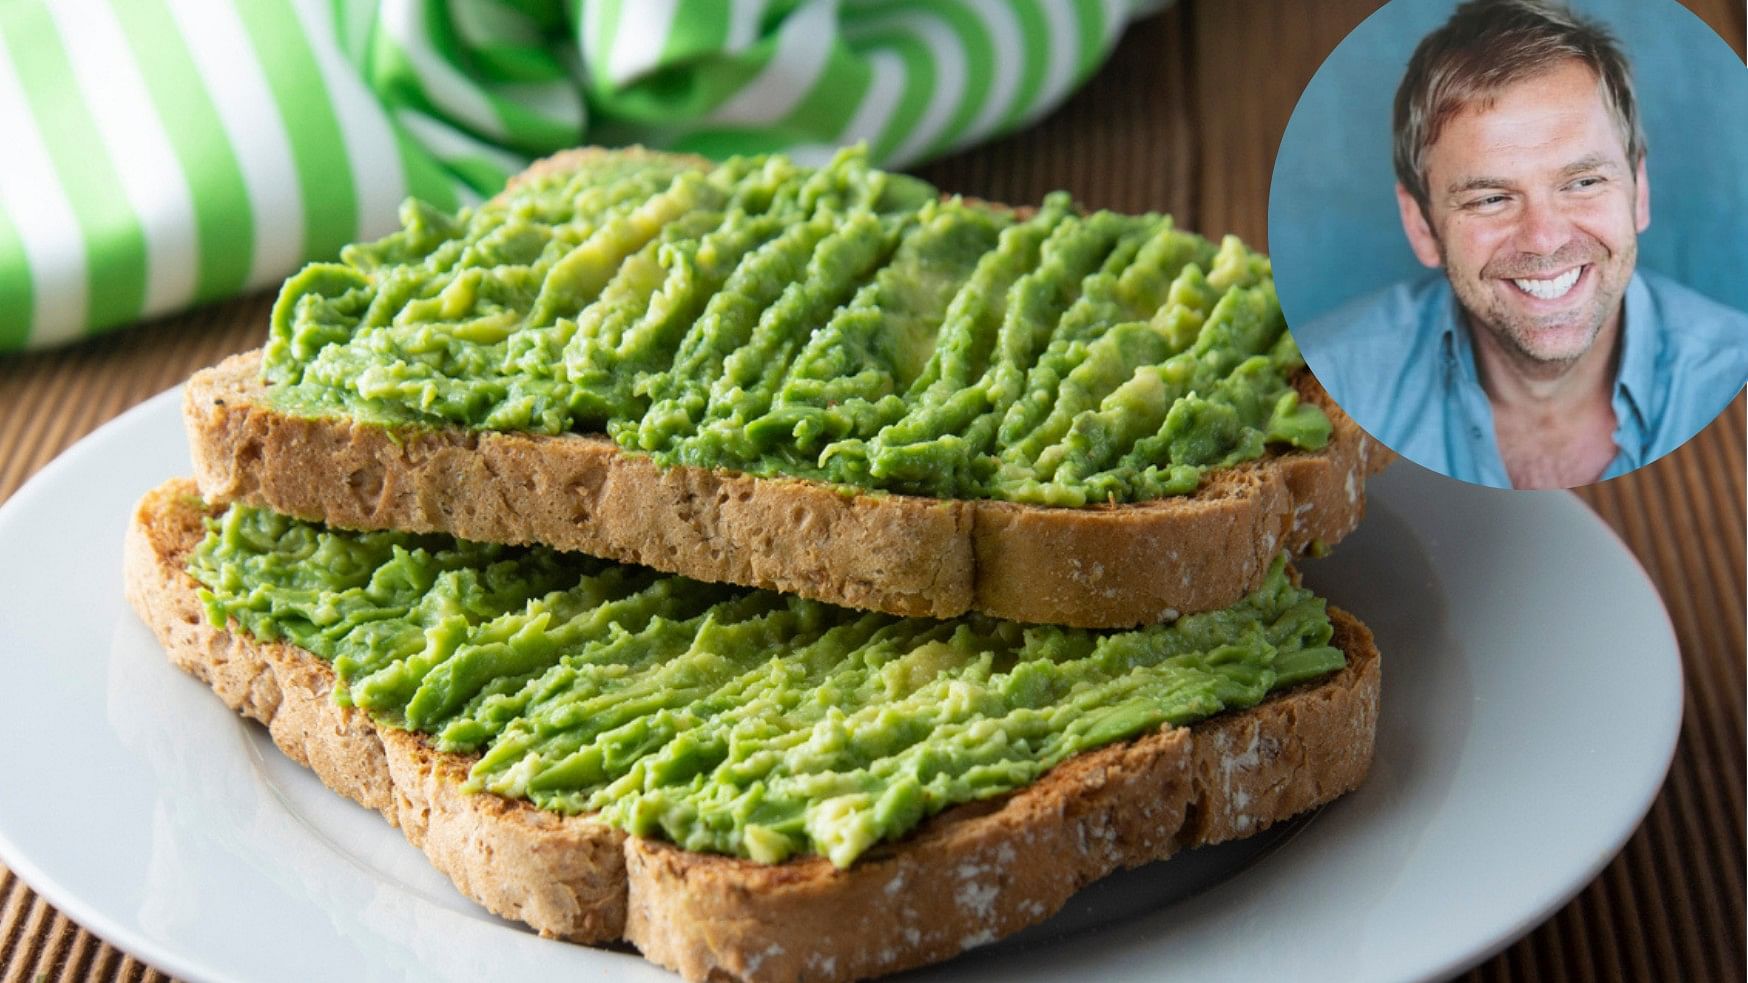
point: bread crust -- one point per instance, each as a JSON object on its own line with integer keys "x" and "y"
{"x": 1106, "y": 566}
{"x": 966, "y": 877}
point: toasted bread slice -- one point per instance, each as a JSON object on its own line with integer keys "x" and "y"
{"x": 1109, "y": 566}
{"x": 966, "y": 877}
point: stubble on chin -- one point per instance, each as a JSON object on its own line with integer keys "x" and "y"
{"x": 1523, "y": 338}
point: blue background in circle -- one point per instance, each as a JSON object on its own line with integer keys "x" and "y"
{"x": 1333, "y": 229}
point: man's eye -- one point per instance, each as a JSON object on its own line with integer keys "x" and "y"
{"x": 1488, "y": 203}
{"x": 1586, "y": 183}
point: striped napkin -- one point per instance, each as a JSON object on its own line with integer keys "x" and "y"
{"x": 157, "y": 153}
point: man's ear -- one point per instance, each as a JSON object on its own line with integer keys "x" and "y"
{"x": 1642, "y": 197}
{"x": 1420, "y": 235}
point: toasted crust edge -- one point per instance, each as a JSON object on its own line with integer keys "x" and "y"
{"x": 1098, "y": 567}
{"x": 999, "y": 865}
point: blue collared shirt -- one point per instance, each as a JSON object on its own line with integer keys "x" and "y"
{"x": 1401, "y": 363}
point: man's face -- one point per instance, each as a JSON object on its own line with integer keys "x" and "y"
{"x": 1534, "y": 212}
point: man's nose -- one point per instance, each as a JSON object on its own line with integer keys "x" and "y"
{"x": 1544, "y": 227}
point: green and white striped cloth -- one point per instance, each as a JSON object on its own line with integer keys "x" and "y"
{"x": 156, "y": 153}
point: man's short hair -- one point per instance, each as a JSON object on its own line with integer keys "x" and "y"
{"x": 1488, "y": 45}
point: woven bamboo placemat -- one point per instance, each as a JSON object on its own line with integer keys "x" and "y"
{"x": 1163, "y": 126}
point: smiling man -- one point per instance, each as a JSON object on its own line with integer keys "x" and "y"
{"x": 1542, "y": 357}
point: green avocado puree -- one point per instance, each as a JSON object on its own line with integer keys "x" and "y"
{"x": 726, "y": 719}
{"x": 836, "y": 323}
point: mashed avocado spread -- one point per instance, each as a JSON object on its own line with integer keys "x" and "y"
{"x": 726, "y": 719}
{"x": 835, "y": 323}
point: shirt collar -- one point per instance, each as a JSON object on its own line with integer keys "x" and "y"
{"x": 1636, "y": 378}
{"x": 1473, "y": 440}
{"x": 1454, "y": 344}
{"x": 1637, "y": 384}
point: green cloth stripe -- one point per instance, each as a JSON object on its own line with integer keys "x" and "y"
{"x": 842, "y": 85}
{"x": 115, "y": 245}
{"x": 471, "y": 88}
{"x": 576, "y": 17}
{"x": 391, "y": 75}
{"x": 531, "y": 127}
{"x": 224, "y": 223}
{"x": 1089, "y": 16}
{"x": 606, "y": 15}
{"x": 525, "y": 126}
{"x": 16, "y": 292}
{"x": 427, "y": 81}
{"x": 502, "y": 43}
{"x": 354, "y": 22}
{"x": 381, "y": 185}
{"x": 721, "y": 143}
{"x": 1035, "y": 32}
{"x": 721, "y": 76}
{"x": 318, "y": 150}
{"x": 700, "y": 29}
{"x": 441, "y": 40}
{"x": 779, "y": 10}
{"x": 481, "y": 167}
{"x": 712, "y": 81}
{"x": 919, "y": 85}
{"x": 426, "y": 179}
{"x": 478, "y": 173}
{"x": 510, "y": 63}
{"x": 979, "y": 52}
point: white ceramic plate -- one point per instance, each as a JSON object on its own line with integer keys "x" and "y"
{"x": 1532, "y": 698}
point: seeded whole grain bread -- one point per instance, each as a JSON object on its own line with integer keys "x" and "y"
{"x": 966, "y": 877}
{"x": 1106, "y": 566}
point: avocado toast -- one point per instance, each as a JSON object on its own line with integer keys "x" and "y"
{"x": 951, "y": 882}
{"x": 1052, "y": 466}
{"x": 914, "y": 449}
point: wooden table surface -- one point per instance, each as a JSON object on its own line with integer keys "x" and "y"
{"x": 1181, "y": 119}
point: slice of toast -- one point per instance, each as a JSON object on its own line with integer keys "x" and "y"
{"x": 1110, "y": 566}
{"x": 966, "y": 877}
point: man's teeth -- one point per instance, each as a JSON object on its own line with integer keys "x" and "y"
{"x": 1552, "y": 289}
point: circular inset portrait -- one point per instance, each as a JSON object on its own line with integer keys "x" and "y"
{"x": 1511, "y": 236}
